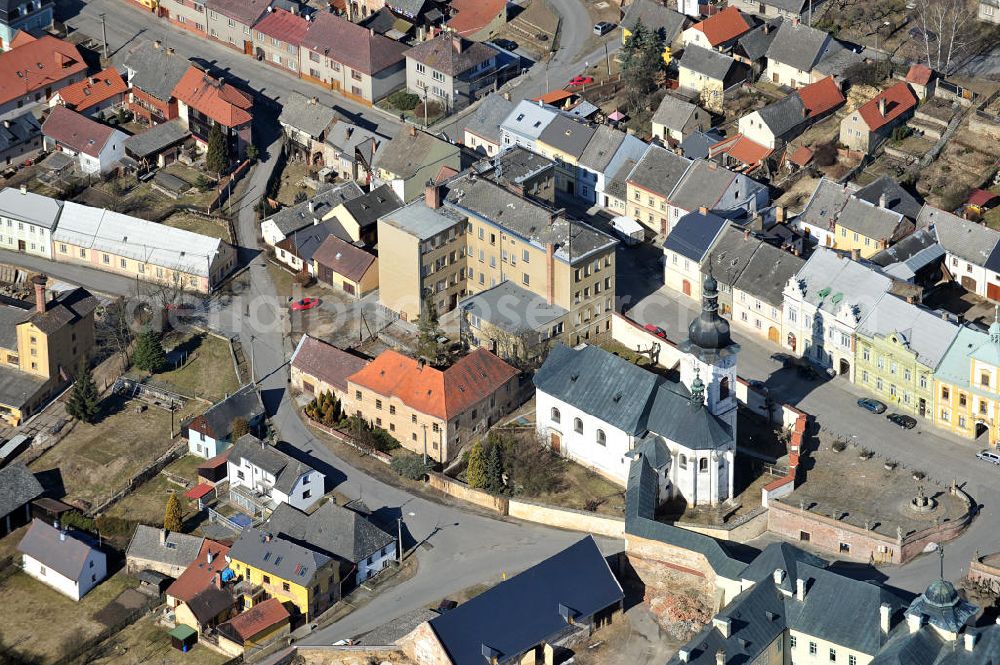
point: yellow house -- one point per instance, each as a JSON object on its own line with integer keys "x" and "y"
{"x": 649, "y": 185}
{"x": 967, "y": 386}
{"x": 271, "y": 567}
{"x": 868, "y": 228}
{"x": 359, "y": 216}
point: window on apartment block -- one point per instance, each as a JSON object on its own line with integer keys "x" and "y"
{"x": 792, "y": 641}
{"x": 683, "y": 461}
{"x": 356, "y": 75}
{"x": 437, "y": 428}
{"x": 357, "y": 395}
{"x": 833, "y": 652}
{"x": 421, "y": 68}
{"x": 982, "y": 406}
{"x": 984, "y": 379}
{"x": 961, "y": 422}
{"x": 945, "y": 394}
{"x": 525, "y": 256}
{"x": 525, "y": 279}
{"x": 378, "y": 404}
{"x": 963, "y": 399}
{"x": 852, "y": 660}
{"x": 106, "y": 259}
{"x": 285, "y": 586}
{"x": 813, "y": 648}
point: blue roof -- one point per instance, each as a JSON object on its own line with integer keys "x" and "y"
{"x": 694, "y": 234}
{"x": 528, "y": 609}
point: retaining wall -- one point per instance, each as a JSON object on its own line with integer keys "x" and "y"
{"x": 567, "y": 518}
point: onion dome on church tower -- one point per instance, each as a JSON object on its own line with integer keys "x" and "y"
{"x": 708, "y": 335}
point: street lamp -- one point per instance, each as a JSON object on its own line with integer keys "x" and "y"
{"x": 399, "y": 542}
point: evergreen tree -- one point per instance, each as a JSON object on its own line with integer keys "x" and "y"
{"x": 475, "y": 475}
{"x": 173, "y": 517}
{"x": 217, "y": 157}
{"x": 494, "y": 470}
{"x": 428, "y": 333}
{"x": 84, "y": 401}
{"x": 149, "y": 355}
{"x": 240, "y": 427}
{"x": 642, "y": 59}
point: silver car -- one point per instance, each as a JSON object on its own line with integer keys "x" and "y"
{"x": 989, "y": 456}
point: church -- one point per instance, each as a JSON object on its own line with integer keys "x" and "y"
{"x": 601, "y": 411}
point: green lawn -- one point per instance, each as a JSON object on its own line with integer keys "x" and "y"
{"x": 147, "y": 504}
{"x": 208, "y": 372}
{"x": 196, "y": 224}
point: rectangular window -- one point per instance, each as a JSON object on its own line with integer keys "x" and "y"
{"x": 833, "y": 652}
{"x": 813, "y": 648}
{"x": 792, "y": 641}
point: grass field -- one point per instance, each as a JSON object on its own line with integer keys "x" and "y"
{"x": 146, "y": 504}
{"x": 206, "y": 227}
{"x": 208, "y": 373}
{"x": 293, "y": 173}
{"x": 583, "y": 489}
{"x": 145, "y": 643}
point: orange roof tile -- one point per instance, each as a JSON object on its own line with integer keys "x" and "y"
{"x": 919, "y": 74}
{"x": 474, "y": 15}
{"x": 898, "y": 100}
{"x": 37, "y": 64}
{"x": 747, "y": 151}
{"x": 219, "y": 101}
{"x": 258, "y": 618}
{"x": 801, "y": 155}
{"x": 981, "y": 197}
{"x": 724, "y": 26}
{"x": 93, "y": 90}
{"x": 198, "y": 576}
{"x": 822, "y": 96}
{"x": 554, "y": 97}
{"x": 283, "y": 25}
{"x": 21, "y": 38}
{"x": 438, "y": 393}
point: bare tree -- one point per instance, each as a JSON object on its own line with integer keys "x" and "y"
{"x": 947, "y": 28}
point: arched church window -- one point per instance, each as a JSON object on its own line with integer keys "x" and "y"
{"x": 601, "y": 439}
{"x": 556, "y": 416}
{"x": 724, "y": 388}
{"x": 703, "y": 464}
{"x": 683, "y": 461}
{"x": 578, "y": 425}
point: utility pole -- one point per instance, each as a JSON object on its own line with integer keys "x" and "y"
{"x": 104, "y": 31}
{"x": 607, "y": 58}
{"x": 399, "y": 542}
{"x": 425, "y": 108}
{"x": 253, "y": 364}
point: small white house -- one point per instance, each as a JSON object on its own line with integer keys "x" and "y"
{"x": 211, "y": 433}
{"x": 63, "y": 560}
{"x": 27, "y": 221}
{"x": 266, "y": 477}
{"x": 96, "y": 147}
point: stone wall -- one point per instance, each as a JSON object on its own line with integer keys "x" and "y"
{"x": 741, "y": 530}
{"x": 460, "y": 490}
{"x": 329, "y": 655}
{"x": 422, "y": 646}
{"x": 628, "y": 333}
{"x": 984, "y": 571}
{"x": 566, "y": 518}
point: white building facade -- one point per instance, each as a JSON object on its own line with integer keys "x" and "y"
{"x": 27, "y": 221}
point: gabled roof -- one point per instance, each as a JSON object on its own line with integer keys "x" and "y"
{"x": 325, "y": 361}
{"x": 217, "y": 421}
{"x": 899, "y": 99}
{"x": 18, "y": 486}
{"x": 451, "y": 54}
{"x": 277, "y": 556}
{"x": 705, "y": 61}
{"x": 694, "y": 234}
{"x": 286, "y": 469}
{"x": 821, "y": 97}
{"x": 529, "y": 119}
{"x": 307, "y": 115}
{"x": 245, "y": 11}
{"x": 897, "y": 199}
{"x": 254, "y": 621}
{"x": 64, "y": 552}
{"x": 439, "y": 393}
{"x": 674, "y": 113}
{"x": 871, "y": 221}
{"x": 170, "y": 548}
{"x": 529, "y": 608}
{"x": 27, "y": 206}
{"x": 799, "y": 45}
{"x": 754, "y": 44}
{"x": 408, "y": 152}
{"x": 919, "y": 74}
{"x": 767, "y": 273}
{"x": 311, "y": 211}
{"x": 723, "y": 26}
{"x": 155, "y": 70}
{"x": 923, "y": 332}
{"x": 282, "y": 25}
{"x": 905, "y": 259}
{"x": 304, "y": 242}
{"x": 343, "y": 258}
{"x": 697, "y": 144}
{"x": 965, "y": 239}
{"x": 784, "y": 115}
{"x": 36, "y": 65}
{"x": 705, "y": 183}
{"x": 659, "y": 171}
{"x": 198, "y": 575}
{"x": 742, "y": 149}
{"x": 825, "y": 203}
{"x": 156, "y": 138}
{"x": 780, "y": 556}
{"x": 331, "y": 529}
{"x": 512, "y": 308}
{"x": 474, "y": 15}
{"x": 832, "y": 281}
{"x": 485, "y": 121}
{"x": 367, "y": 208}
{"x": 19, "y": 130}
{"x": 220, "y": 101}
{"x": 93, "y": 90}
{"x": 731, "y": 254}
{"x": 68, "y": 307}
{"x": 567, "y": 135}
{"x": 77, "y": 132}
{"x": 656, "y": 16}
{"x": 602, "y": 147}
{"x": 351, "y": 44}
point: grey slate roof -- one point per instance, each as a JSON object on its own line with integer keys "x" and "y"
{"x": 567, "y": 135}
{"x": 825, "y": 203}
{"x": 348, "y": 139}
{"x": 871, "y": 221}
{"x": 655, "y": 15}
{"x": 155, "y": 71}
{"x": 528, "y": 119}
{"x": 12, "y": 313}
{"x": 261, "y": 549}
{"x": 331, "y": 529}
{"x": 16, "y": 386}
{"x": 924, "y": 333}
{"x": 909, "y": 256}
{"x": 512, "y": 308}
{"x": 65, "y": 556}
{"x": 485, "y": 121}
{"x": 731, "y": 254}
{"x": 897, "y": 199}
{"x": 704, "y": 184}
{"x": 512, "y": 165}
{"x": 299, "y": 216}
{"x": 285, "y": 469}
{"x": 156, "y": 138}
{"x": 405, "y": 155}
{"x": 306, "y": 241}
{"x": 179, "y": 549}
{"x": 928, "y": 647}
{"x": 967, "y": 240}
{"x": 302, "y": 113}
{"x": 659, "y": 171}
{"x": 526, "y": 610}
{"x": 784, "y": 115}
{"x": 798, "y": 46}
{"x": 392, "y": 631}
{"x": 674, "y": 113}
{"x": 33, "y": 208}
{"x": 673, "y": 416}
{"x": 780, "y": 556}
{"x": 696, "y": 144}
{"x": 754, "y": 44}
{"x": 420, "y": 221}
{"x": 601, "y": 148}
{"x": 832, "y": 281}
{"x": 367, "y": 208}
{"x": 767, "y": 273}
{"x": 217, "y": 421}
{"x": 787, "y": 5}
{"x": 18, "y": 486}
{"x": 23, "y": 129}
{"x": 695, "y": 234}
{"x": 705, "y": 61}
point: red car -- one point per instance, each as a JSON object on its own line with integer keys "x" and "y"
{"x": 581, "y": 80}
{"x": 304, "y": 304}
{"x": 656, "y": 330}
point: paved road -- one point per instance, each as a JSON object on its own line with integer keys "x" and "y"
{"x": 92, "y": 278}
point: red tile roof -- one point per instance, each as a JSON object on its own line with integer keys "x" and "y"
{"x": 724, "y": 26}
{"x": 351, "y": 44}
{"x": 981, "y": 197}
{"x": 747, "y": 151}
{"x": 37, "y": 64}
{"x": 198, "y": 491}
{"x": 77, "y": 132}
{"x": 442, "y": 394}
{"x": 343, "y": 258}
{"x": 283, "y": 25}
{"x": 801, "y": 155}
{"x": 219, "y": 101}
{"x": 822, "y": 96}
{"x": 94, "y": 90}
{"x": 198, "y": 576}
{"x": 217, "y": 461}
{"x": 919, "y": 74}
{"x": 258, "y": 618}
{"x": 474, "y": 15}
{"x": 554, "y": 97}
{"x": 21, "y": 38}
{"x": 326, "y": 362}
{"x": 898, "y": 100}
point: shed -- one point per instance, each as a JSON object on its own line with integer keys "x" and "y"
{"x": 183, "y": 638}
{"x": 214, "y": 469}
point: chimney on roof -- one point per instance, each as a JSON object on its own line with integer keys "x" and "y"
{"x": 456, "y": 43}
{"x": 62, "y": 535}
{"x": 170, "y": 50}
{"x": 349, "y": 131}
{"x": 506, "y": 95}
{"x": 969, "y": 640}
{"x": 723, "y": 625}
{"x": 371, "y": 32}
{"x": 883, "y": 200}
{"x": 157, "y": 44}
{"x": 746, "y": 234}
{"x": 881, "y": 106}
{"x": 795, "y": 20}
{"x": 884, "y": 614}
{"x": 432, "y": 195}
{"x": 913, "y": 622}
{"x": 683, "y": 655}
{"x": 24, "y": 188}
{"x": 210, "y": 557}
{"x": 720, "y": 657}
{"x": 39, "y": 281}
{"x": 713, "y": 166}
{"x": 767, "y": 28}
{"x": 702, "y": 210}
{"x": 800, "y": 589}
{"x": 312, "y": 205}
{"x": 779, "y": 575}
{"x": 163, "y": 536}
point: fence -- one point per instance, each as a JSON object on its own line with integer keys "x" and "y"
{"x": 133, "y": 483}
{"x": 82, "y": 654}
{"x": 346, "y": 438}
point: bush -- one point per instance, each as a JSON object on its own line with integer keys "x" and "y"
{"x": 900, "y": 132}
{"x": 838, "y": 446}
{"x": 74, "y": 520}
{"x": 433, "y": 109}
{"x": 369, "y": 437}
{"x": 410, "y": 466}
{"x": 403, "y": 100}
{"x": 304, "y": 279}
{"x": 825, "y": 154}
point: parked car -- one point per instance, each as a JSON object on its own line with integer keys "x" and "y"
{"x": 872, "y": 405}
{"x": 906, "y": 422}
{"x": 603, "y": 28}
{"x": 989, "y": 456}
{"x": 304, "y": 304}
{"x": 581, "y": 80}
{"x": 506, "y": 44}
{"x": 656, "y": 330}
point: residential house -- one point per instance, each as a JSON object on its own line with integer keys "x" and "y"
{"x": 296, "y": 251}
{"x": 350, "y": 60}
{"x": 359, "y": 215}
{"x": 971, "y": 255}
{"x": 989, "y": 11}
{"x": 758, "y": 292}
{"x": 650, "y": 184}
{"x": 890, "y": 195}
{"x": 729, "y": 193}
{"x": 699, "y": 145}
{"x": 602, "y": 411}
{"x": 153, "y": 72}
{"x": 719, "y": 31}
{"x": 655, "y": 16}
{"x": 32, "y": 70}
{"x": 825, "y": 304}
{"x": 263, "y": 623}
{"x": 751, "y": 47}
{"x": 867, "y": 229}
{"x": 606, "y": 147}
{"x": 231, "y": 21}
{"x": 139, "y": 249}
{"x": 549, "y": 599}
{"x": 27, "y": 221}
{"x": 18, "y": 488}
{"x": 16, "y": 16}
{"x": 188, "y": 15}
{"x": 482, "y": 128}
{"x": 710, "y": 75}
{"x": 339, "y": 264}
{"x": 516, "y": 324}
{"x": 791, "y": 10}
{"x": 97, "y": 148}
{"x": 525, "y": 123}
{"x": 93, "y": 95}
{"x": 66, "y": 561}
{"x": 20, "y": 137}
{"x": 41, "y": 347}
{"x": 453, "y": 71}
{"x": 871, "y": 123}
{"x": 363, "y": 549}
{"x": 305, "y": 580}
{"x": 818, "y": 220}
{"x": 203, "y": 572}
{"x": 318, "y": 367}
{"x": 477, "y": 19}
{"x": 900, "y": 346}
{"x": 687, "y": 246}
{"x": 967, "y": 386}
{"x": 307, "y": 124}
{"x": 676, "y": 119}
{"x": 350, "y": 151}
{"x": 319, "y": 208}
{"x": 263, "y": 477}
{"x": 411, "y": 159}
{"x": 563, "y": 141}
{"x": 917, "y": 259}
{"x": 433, "y": 411}
{"x": 795, "y": 55}
{"x": 921, "y": 80}
{"x": 157, "y": 146}
{"x": 204, "y": 101}
{"x": 277, "y": 38}
{"x": 528, "y": 173}
{"x": 211, "y": 432}
{"x": 726, "y": 261}
{"x": 779, "y": 122}
{"x": 166, "y": 552}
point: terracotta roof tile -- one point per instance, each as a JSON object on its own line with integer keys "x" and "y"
{"x": 343, "y": 258}
{"x": 326, "y": 362}
{"x": 919, "y": 74}
{"x": 198, "y": 576}
{"x": 93, "y": 90}
{"x": 75, "y": 131}
{"x": 220, "y": 101}
{"x": 898, "y": 100}
{"x": 442, "y": 394}
{"x": 283, "y": 25}
{"x": 474, "y": 15}
{"x": 351, "y": 44}
{"x": 554, "y": 97}
{"x": 257, "y": 619}
{"x": 801, "y": 155}
{"x": 822, "y": 96}
{"x": 36, "y": 65}
{"x": 981, "y": 197}
{"x": 748, "y": 151}
{"x": 724, "y": 26}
